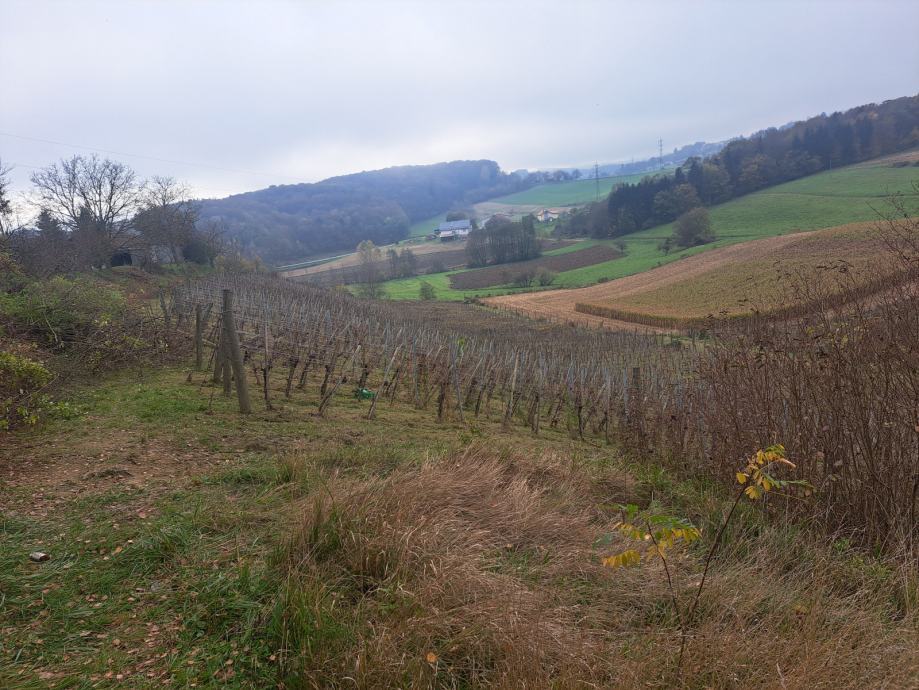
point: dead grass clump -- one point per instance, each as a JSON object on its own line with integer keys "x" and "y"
{"x": 468, "y": 571}
{"x": 477, "y": 571}
{"x": 787, "y": 616}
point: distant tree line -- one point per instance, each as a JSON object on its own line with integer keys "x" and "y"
{"x": 700, "y": 149}
{"x": 402, "y": 264}
{"x": 551, "y": 176}
{"x": 746, "y": 165}
{"x": 502, "y": 240}
{"x": 284, "y": 222}
{"x": 95, "y": 212}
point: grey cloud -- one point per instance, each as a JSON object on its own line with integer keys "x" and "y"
{"x": 304, "y": 90}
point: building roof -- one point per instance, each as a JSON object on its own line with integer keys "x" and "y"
{"x": 453, "y": 225}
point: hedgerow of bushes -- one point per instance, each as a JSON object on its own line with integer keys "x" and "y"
{"x": 60, "y": 310}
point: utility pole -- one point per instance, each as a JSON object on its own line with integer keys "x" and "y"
{"x": 597, "y": 178}
{"x": 660, "y": 152}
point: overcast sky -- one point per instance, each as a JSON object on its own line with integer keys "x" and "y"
{"x": 232, "y": 96}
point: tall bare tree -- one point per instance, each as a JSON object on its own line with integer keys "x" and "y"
{"x": 90, "y": 192}
{"x": 6, "y": 205}
{"x": 369, "y": 255}
{"x": 168, "y": 216}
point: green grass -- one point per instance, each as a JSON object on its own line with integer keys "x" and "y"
{"x": 426, "y": 227}
{"x": 179, "y": 577}
{"x": 565, "y": 193}
{"x": 559, "y": 194}
{"x": 828, "y": 199}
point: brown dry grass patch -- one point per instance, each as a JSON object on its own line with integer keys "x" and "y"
{"x": 481, "y": 571}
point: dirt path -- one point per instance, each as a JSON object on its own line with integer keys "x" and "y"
{"x": 559, "y": 304}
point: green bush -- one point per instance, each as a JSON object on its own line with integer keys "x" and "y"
{"x": 20, "y": 379}
{"x": 60, "y": 310}
{"x": 426, "y": 291}
{"x": 546, "y": 277}
{"x": 11, "y": 276}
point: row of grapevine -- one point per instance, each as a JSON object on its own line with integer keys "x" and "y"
{"x": 595, "y": 383}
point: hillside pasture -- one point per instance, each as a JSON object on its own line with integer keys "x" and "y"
{"x": 558, "y": 194}
{"x": 506, "y": 273}
{"x": 425, "y": 227}
{"x": 571, "y": 193}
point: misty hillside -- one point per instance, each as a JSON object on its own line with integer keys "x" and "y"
{"x": 286, "y": 222}
{"x": 700, "y": 149}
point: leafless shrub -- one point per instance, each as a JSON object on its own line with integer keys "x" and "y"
{"x": 839, "y": 387}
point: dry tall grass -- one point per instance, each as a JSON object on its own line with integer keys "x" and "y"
{"x": 478, "y": 571}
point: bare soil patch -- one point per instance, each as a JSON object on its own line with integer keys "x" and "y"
{"x": 506, "y": 273}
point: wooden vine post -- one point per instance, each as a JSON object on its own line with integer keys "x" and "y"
{"x": 234, "y": 354}
{"x": 199, "y": 338}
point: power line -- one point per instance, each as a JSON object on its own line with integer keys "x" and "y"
{"x": 144, "y": 156}
{"x": 597, "y": 178}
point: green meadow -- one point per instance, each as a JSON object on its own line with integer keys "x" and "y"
{"x": 565, "y": 193}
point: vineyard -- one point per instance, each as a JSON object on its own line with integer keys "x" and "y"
{"x": 697, "y": 404}
{"x": 303, "y": 335}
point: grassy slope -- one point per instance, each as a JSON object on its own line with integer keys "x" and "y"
{"x": 426, "y": 227}
{"x": 565, "y": 193}
{"x": 186, "y": 572}
{"x": 824, "y": 200}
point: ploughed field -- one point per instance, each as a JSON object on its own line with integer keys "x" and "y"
{"x": 507, "y": 273}
{"x": 451, "y": 257}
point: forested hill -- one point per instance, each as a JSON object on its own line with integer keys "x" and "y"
{"x": 288, "y": 222}
{"x": 747, "y": 165}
